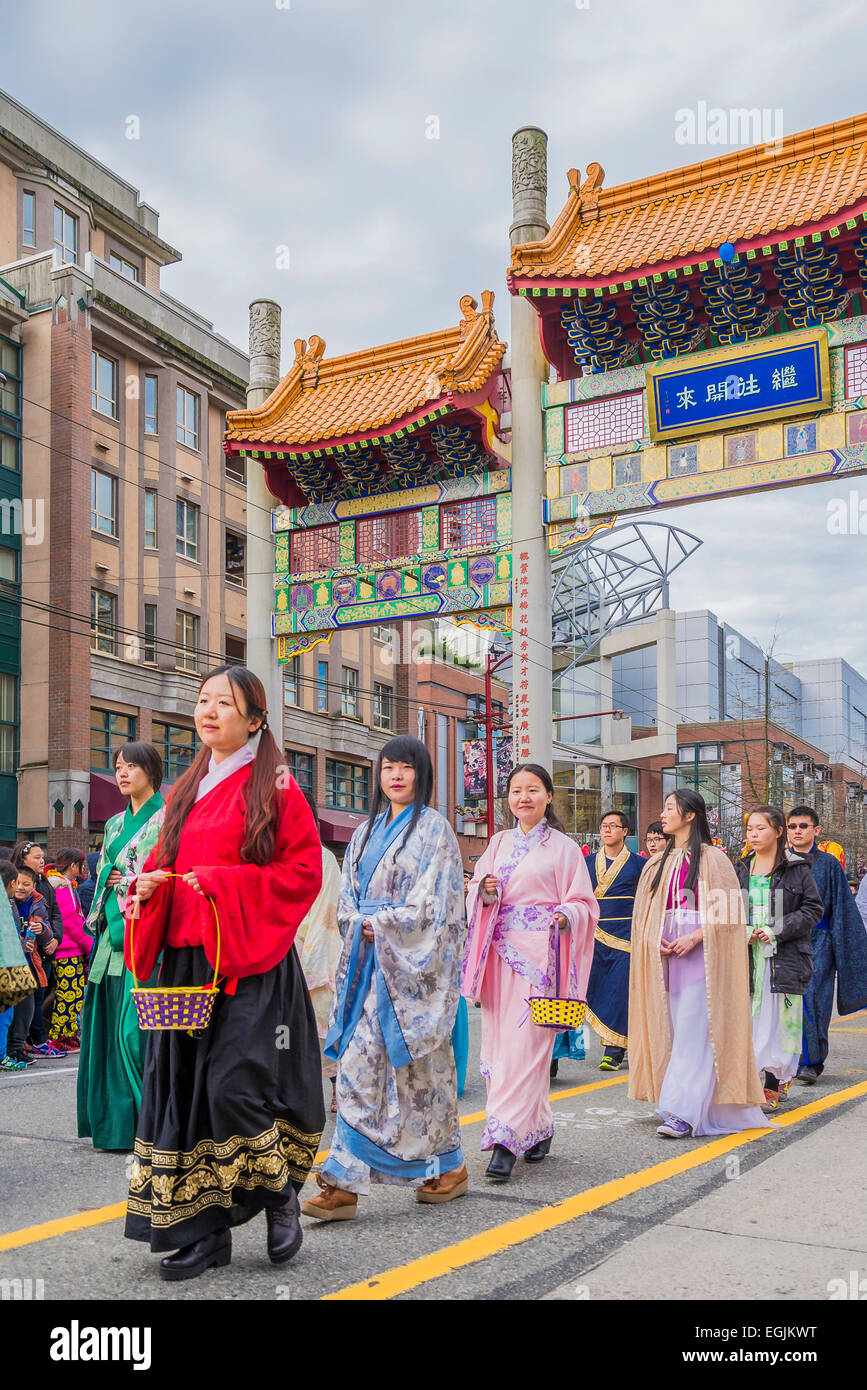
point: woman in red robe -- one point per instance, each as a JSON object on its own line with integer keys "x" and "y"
{"x": 231, "y": 1116}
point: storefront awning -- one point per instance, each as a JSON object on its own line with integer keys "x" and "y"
{"x": 105, "y": 798}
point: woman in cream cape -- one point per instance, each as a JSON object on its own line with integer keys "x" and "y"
{"x": 690, "y": 1035}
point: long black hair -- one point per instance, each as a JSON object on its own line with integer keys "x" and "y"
{"x": 402, "y": 749}
{"x": 776, "y": 817}
{"x": 699, "y": 835}
{"x": 554, "y": 821}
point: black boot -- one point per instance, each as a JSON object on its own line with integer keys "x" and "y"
{"x": 284, "y": 1230}
{"x": 189, "y": 1262}
{"x": 538, "y": 1151}
{"x": 501, "y": 1164}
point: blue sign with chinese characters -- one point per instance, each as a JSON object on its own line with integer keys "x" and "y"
{"x": 788, "y": 375}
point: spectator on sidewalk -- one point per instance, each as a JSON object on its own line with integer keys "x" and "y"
{"x": 31, "y": 856}
{"x": 73, "y": 953}
{"x": 9, "y": 875}
{"x": 36, "y": 938}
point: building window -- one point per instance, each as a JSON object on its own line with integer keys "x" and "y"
{"x": 469, "y": 524}
{"x": 103, "y": 384}
{"x": 322, "y": 687}
{"x": 8, "y": 723}
{"x": 28, "y": 220}
{"x": 9, "y": 566}
{"x": 10, "y": 406}
{"x": 187, "y": 530}
{"x": 123, "y": 267}
{"x": 150, "y": 409}
{"x": 611, "y": 420}
{"x": 236, "y": 468}
{"x": 236, "y": 559}
{"x": 381, "y": 706}
{"x": 186, "y": 641}
{"x": 347, "y": 786}
{"x": 315, "y": 550}
{"x": 188, "y": 418}
{"x": 103, "y": 622}
{"x": 103, "y": 503}
{"x": 292, "y": 681}
{"x": 236, "y": 651}
{"x": 65, "y": 235}
{"x": 150, "y": 634}
{"x": 388, "y": 537}
{"x": 301, "y": 767}
{"x": 349, "y": 692}
{"x": 150, "y": 518}
{"x": 108, "y": 732}
{"x": 177, "y": 747}
{"x": 380, "y": 634}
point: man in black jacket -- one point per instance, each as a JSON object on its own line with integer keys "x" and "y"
{"x": 839, "y": 946}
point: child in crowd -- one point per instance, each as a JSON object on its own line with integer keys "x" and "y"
{"x": 35, "y": 927}
{"x": 73, "y": 953}
{"x": 9, "y": 876}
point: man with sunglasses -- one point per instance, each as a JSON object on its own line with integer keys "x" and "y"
{"x": 839, "y": 946}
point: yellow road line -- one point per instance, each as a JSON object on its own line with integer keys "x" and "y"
{"x": 836, "y": 1028}
{"x": 499, "y": 1238}
{"x": 30, "y": 1234}
{"x": 47, "y": 1230}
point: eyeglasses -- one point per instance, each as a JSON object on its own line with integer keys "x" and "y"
{"x": 800, "y": 825}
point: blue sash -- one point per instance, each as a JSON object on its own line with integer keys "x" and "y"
{"x": 349, "y": 1004}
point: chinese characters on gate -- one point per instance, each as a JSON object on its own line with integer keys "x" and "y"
{"x": 522, "y": 700}
{"x": 718, "y": 390}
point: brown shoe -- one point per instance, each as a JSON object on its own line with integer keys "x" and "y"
{"x": 444, "y": 1188}
{"x": 332, "y": 1204}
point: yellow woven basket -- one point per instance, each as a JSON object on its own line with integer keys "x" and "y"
{"x": 182, "y": 1006}
{"x": 557, "y": 1013}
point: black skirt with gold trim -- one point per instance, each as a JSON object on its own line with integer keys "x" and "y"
{"x": 230, "y": 1118}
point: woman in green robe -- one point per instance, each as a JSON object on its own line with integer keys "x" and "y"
{"x": 112, "y": 1045}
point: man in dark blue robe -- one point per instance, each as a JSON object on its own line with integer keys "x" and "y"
{"x": 614, "y": 873}
{"x": 839, "y": 946}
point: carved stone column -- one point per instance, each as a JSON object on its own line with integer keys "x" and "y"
{"x": 531, "y": 565}
{"x": 265, "y": 317}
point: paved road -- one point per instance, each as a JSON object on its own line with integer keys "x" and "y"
{"x": 585, "y": 1223}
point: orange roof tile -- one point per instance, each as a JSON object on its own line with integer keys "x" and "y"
{"x": 325, "y": 398}
{"x": 747, "y": 195}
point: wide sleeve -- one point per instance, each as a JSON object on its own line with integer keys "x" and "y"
{"x": 419, "y": 944}
{"x": 484, "y": 866}
{"x": 850, "y": 943}
{"x": 580, "y": 907}
{"x": 146, "y": 923}
{"x": 347, "y": 898}
{"x": 259, "y": 906}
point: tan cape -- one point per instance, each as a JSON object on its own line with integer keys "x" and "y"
{"x": 727, "y": 975}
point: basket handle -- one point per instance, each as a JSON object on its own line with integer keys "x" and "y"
{"x": 170, "y": 873}
{"x": 555, "y": 933}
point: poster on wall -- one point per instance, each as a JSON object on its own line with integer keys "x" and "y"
{"x": 475, "y": 781}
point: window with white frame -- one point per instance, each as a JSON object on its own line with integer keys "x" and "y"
{"x": 349, "y": 692}
{"x": 187, "y": 530}
{"x": 188, "y": 418}
{"x": 103, "y": 503}
{"x": 122, "y": 266}
{"x": 150, "y": 634}
{"x": 150, "y": 518}
{"x": 28, "y": 220}
{"x": 292, "y": 681}
{"x": 150, "y": 409}
{"x": 187, "y": 641}
{"x": 8, "y": 723}
{"x": 103, "y": 384}
{"x": 381, "y": 706}
{"x": 103, "y": 622}
{"x": 65, "y": 235}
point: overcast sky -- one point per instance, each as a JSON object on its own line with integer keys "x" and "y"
{"x": 303, "y": 124}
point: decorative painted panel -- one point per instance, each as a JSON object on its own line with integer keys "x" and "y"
{"x": 610, "y": 421}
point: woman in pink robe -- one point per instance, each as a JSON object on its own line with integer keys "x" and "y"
{"x": 530, "y": 895}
